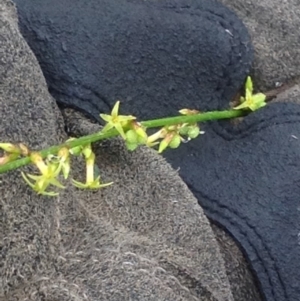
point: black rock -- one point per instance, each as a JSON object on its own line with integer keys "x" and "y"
{"x": 156, "y": 56}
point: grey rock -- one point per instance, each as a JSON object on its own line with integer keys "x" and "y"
{"x": 290, "y": 95}
{"x": 274, "y": 27}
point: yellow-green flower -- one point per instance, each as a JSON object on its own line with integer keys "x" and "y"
{"x": 61, "y": 161}
{"x": 91, "y": 182}
{"x": 64, "y": 161}
{"x": 251, "y": 101}
{"x": 49, "y": 172}
{"x": 116, "y": 121}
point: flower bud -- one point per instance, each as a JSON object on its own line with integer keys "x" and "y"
{"x": 188, "y": 112}
{"x": 163, "y": 145}
{"x": 249, "y": 84}
{"x": 171, "y": 128}
{"x": 131, "y": 137}
{"x": 24, "y": 149}
{"x": 10, "y": 148}
{"x": 165, "y": 142}
{"x": 175, "y": 142}
{"x": 87, "y": 151}
{"x": 184, "y": 130}
{"x": 140, "y": 131}
{"x": 194, "y": 132}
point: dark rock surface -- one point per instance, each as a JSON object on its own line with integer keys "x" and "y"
{"x": 155, "y": 56}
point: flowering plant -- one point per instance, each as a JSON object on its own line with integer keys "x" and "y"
{"x": 56, "y": 160}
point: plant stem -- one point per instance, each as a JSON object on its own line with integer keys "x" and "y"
{"x": 202, "y": 117}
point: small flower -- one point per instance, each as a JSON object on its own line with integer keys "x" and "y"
{"x": 116, "y": 121}
{"x": 91, "y": 182}
{"x": 49, "y": 172}
{"x": 46, "y": 170}
{"x": 42, "y": 183}
{"x": 251, "y": 101}
{"x": 64, "y": 161}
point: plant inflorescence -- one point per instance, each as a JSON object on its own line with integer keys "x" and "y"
{"x": 55, "y": 162}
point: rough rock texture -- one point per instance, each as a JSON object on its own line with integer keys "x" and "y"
{"x": 274, "y": 28}
{"x": 242, "y": 282}
{"x": 290, "y": 95}
{"x": 144, "y": 238}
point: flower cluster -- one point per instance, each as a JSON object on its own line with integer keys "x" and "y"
{"x": 172, "y": 136}
{"x": 53, "y": 166}
{"x": 134, "y": 133}
{"x": 172, "y": 133}
{"x": 91, "y": 182}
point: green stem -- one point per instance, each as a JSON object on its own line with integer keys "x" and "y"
{"x": 202, "y": 117}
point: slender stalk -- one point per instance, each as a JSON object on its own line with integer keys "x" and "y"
{"x": 202, "y": 117}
